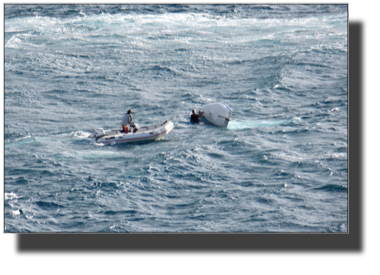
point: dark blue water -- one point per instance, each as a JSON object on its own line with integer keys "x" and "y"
{"x": 280, "y": 165}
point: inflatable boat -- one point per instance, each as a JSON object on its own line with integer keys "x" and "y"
{"x": 139, "y": 133}
{"x": 217, "y": 113}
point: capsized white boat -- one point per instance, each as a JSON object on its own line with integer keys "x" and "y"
{"x": 143, "y": 133}
{"x": 217, "y": 113}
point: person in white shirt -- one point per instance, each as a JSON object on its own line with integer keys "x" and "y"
{"x": 127, "y": 122}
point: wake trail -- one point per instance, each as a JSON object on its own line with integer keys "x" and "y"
{"x": 240, "y": 125}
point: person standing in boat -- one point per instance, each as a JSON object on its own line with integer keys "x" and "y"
{"x": 127, "y": 122}
{"x": 194, "y": 117}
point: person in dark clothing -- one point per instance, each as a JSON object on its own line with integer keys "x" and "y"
{"x": 194, "y": 117}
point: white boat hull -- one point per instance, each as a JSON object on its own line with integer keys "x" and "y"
{"x": 217, "y": 113}
{"x": 144, "y": 133}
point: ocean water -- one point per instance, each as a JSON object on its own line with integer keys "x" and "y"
{"x": 280, "y": 165}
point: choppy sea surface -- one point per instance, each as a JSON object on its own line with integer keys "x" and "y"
{"x": 280, "y": 165}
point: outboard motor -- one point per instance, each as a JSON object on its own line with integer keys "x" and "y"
{"x": 134, "y": 128}
{"x": 99, "y": 133}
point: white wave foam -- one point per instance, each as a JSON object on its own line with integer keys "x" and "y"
{"x": 117, "y": 23}
{"x": 97, "y": 144}
{"x": 90, "y": 155}
{"x": 80, "y": 135}
{"x": 11, "y": 196}
{"x": 338, "y": 155}
{"x": 20, "y": 141}
{"x": 16, "y": 212}
{"x": 13, "y": 43}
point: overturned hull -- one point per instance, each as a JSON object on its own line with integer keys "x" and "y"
{"x": 217, "y": 113}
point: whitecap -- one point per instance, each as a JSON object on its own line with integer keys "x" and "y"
{"x": 11, "y": 196}
{"x": 16, "y": 212}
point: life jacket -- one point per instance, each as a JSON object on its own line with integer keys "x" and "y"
{"x": 126, "y": 128}
{"x": 194, "y": 117}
